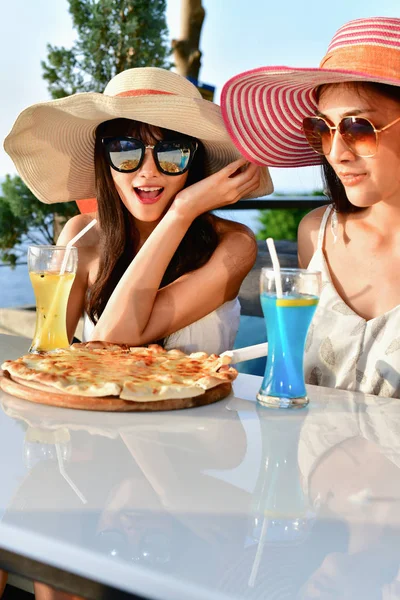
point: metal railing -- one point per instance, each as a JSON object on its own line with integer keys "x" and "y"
{"x": 279, "y": 202}
{"x": 271, "y": 202}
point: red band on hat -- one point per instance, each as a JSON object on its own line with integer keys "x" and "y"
{"x": 87, "y": 205}
{"x": 144, "y": 92}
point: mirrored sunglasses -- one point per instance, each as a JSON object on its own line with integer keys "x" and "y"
{"x": 126, "y": 154}
{"x": 358, "y": 133}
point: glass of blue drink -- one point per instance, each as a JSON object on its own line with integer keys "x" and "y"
{"x": 288, "y": 315}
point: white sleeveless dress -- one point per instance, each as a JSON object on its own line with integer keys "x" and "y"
{"x": 214, "y": 333}
{"x": 345, "y": 351}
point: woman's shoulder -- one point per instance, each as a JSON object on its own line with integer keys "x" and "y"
{"x": 237, "y": 238}
{"x": 226, "y": 229}
{"x": 307, "y": 234}
{"x": 89, "y": 240}
{"x": 313, "y": 218}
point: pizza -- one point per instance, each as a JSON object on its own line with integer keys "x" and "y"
{"x": 96, "y": 375}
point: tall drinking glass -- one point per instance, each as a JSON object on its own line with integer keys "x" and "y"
{"x": 287, "y": 320}
{"x": 52, "y": 271}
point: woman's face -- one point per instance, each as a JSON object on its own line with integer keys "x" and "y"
{"x": 147, "y": 193}
{"x": 367, "y": 181}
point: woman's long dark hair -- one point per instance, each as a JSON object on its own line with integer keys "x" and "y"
{"x": 119, "y": 237}
{"x": 334, "y": 188}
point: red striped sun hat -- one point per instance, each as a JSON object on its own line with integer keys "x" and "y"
{"x": 263, "y": 109}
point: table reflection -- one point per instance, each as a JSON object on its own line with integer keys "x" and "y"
{"x": 164, "y": 490}
{"x": 134, "y": 487}
{"x": 349, "y": 454}
{"x": 282, "y": 510}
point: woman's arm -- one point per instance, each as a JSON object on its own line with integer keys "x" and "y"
{"x": 137, "y": 311}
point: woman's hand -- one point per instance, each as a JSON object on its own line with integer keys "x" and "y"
{"x": 220, "y": 189}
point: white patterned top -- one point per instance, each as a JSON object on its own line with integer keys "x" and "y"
{"x": 214, "y": 333}
{"x": 345, "y": 351}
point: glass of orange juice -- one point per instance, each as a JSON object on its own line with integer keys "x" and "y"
{"x": 52, "y": 271}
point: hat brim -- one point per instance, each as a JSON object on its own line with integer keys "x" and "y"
{"x": 52, "y": 143}
{"x": 264, "y": 108}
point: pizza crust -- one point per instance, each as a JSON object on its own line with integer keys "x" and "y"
{"x": 33, "y": 384}
{"x": 133, "y": 392}
{"x": 112, "y": 404}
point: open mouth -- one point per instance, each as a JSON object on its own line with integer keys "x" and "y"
{"x": 148, "y": 195}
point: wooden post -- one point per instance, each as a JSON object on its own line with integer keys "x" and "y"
{"x": 186, "y": 50}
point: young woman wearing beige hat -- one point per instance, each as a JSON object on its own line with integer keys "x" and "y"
{"x": 157, "y": 266}
{"x": 344, "y": 115}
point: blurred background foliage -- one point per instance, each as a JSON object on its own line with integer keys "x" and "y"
{"x": 282, "y": 224}
{"x": 25, "y": 220}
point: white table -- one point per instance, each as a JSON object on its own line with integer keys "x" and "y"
{"x": 220, "y": 502}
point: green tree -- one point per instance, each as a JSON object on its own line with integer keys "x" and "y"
{"x": 113, "y": 35}
{"x": 25, "y": 220}
{"x": 282, "y": 224}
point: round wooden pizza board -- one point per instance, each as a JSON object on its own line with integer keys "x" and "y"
{"x": 109, "y": 403}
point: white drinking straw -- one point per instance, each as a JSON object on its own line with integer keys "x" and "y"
{"x": 67, "y": 477}
{"x": 259, "y": 553}
{"x": 72, "y": 242}
{"x": 247, "y": 353}
{"x": 276, "y": 266}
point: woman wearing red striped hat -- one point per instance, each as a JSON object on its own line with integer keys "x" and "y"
{"x": 344, "y": 115}
{"x": 157, "y": 265}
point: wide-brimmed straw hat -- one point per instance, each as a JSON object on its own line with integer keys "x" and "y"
{"x": 264, "y": 108}
{"x": 52, "y": 143}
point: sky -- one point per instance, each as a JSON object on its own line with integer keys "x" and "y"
{"x": 237, "y": 35}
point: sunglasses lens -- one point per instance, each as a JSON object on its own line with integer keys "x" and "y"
{"x": 125, "y": 154}
{"x": 173, "y": 157}
{"x": 318, "y": 134}
{"x": 359, "y": 135}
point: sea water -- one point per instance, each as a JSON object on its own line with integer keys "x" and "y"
{"x": 287, "y": 320}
